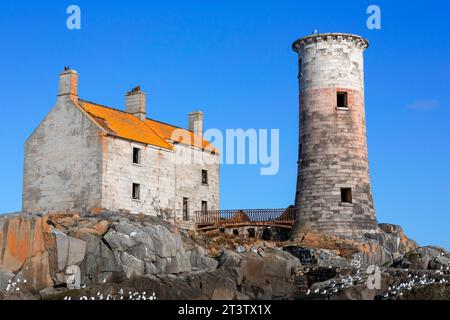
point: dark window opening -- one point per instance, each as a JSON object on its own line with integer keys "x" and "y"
{"x": 136, "y": 192}
{"x": 136, "y": 155}
{"x": 342, "y": 101}
{"x": 300, "y": 71}
{"x": 236, "y": 232}
{"x": 346, "y": 195}
{"x": 185, "y": 209}
{"x": 251, "y": 233}
{"x": 204, "y": 206}
{"x": 204, "y": 177}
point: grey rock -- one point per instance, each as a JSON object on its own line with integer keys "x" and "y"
{"x": 157, "y": 248}
{"x": 47, "y": 292}
{"x": 200, "y": 261}
{"x": 119, "y": 241}
{"x": 5, "y": 277}
{"x": 261, "y": 278}
{"x": 99, "y": 261}
{"x": 151, "y": 269}
{"x": 424, "y": 258}
{"x": 70, "y": 251}
{"x": 131, "y": 265}
{"x": 165, "y": 242}
{"x": 143, "y": 252}
{"x": 179, "y": 263}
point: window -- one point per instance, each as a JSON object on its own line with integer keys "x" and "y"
{"x": 204, "y": 177}
{"x": 300, "y": 71}
{"x": 136, "y": 156}
{"x": 346, "y": 195}
{"x": 185, "y": 209}
{"x": 204, "y": 206}
{"x": 136, "y": 192}
{"x": 342, "y": 101}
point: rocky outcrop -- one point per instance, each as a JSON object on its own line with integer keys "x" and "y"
{"x": 45, "y": 249}
{"x": 424, "y": 258}
{"x": 123, "y": 256}
{"x": 380, "y": 248}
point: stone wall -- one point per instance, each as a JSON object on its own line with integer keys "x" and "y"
{"x": 189, "y": 179}
{"x": 163, "y": 176}
{"x": 62, "y": 165}
{"x": 332, "y": 140}
{"x": 155, "y": 175}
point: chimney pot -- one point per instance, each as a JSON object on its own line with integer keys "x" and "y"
{"x": 196, "y": 123}
{"x": 68, "y": 84}
{"x": 135, "y": 103}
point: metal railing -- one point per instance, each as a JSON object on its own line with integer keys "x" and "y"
{"x": 247, "y": 216}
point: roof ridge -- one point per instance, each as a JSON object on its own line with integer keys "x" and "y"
{"x": 168, "y": 124}
{"x": 102, "y": 105}
{"x": 123, "y": 111}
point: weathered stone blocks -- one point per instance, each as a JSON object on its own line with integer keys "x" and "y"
{"x": 332, "y": 140}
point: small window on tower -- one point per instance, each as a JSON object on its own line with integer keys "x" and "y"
{"x": 204, "y": 177}
{"x": 346, "y": 195}
{"x": 300, "y": 71}
{"x": 136, "y": 191}
{"x": 342, "y": 101}
{"x": 136, "y": 156}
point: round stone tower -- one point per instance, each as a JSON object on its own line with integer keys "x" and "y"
{"x": 333, "y": 184}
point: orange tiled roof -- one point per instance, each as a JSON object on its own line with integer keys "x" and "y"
{"x": 124, "y": 125}
{"x": 167, "y": 131}
{"x": 128, "y": 126}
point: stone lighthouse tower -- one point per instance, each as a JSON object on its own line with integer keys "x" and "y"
{"x": 333, "y": 184}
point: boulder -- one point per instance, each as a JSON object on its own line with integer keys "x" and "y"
{"x": 200, "y": 261}
{"x": 23, "y": 248}
{"x": 99, "y": 261}
{"x": 158, "y": 249}
{"x": 261, "y": 278}
{"x": 70, "y": 251}
{"x": 424, "y": 258}
{"x": 119, "y": 241}
{"x": 131, "y": 265}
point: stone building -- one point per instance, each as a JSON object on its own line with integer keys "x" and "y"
{"x": 333, "y": 184}
{"x": 87, "y": 157}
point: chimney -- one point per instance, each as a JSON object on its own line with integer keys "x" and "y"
{"x": 68, "y": 84}
{"x": 135, "y": 103}
{"x": 196, "y": 122}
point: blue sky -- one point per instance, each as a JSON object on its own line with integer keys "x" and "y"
{"x": 233, "y": 60}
